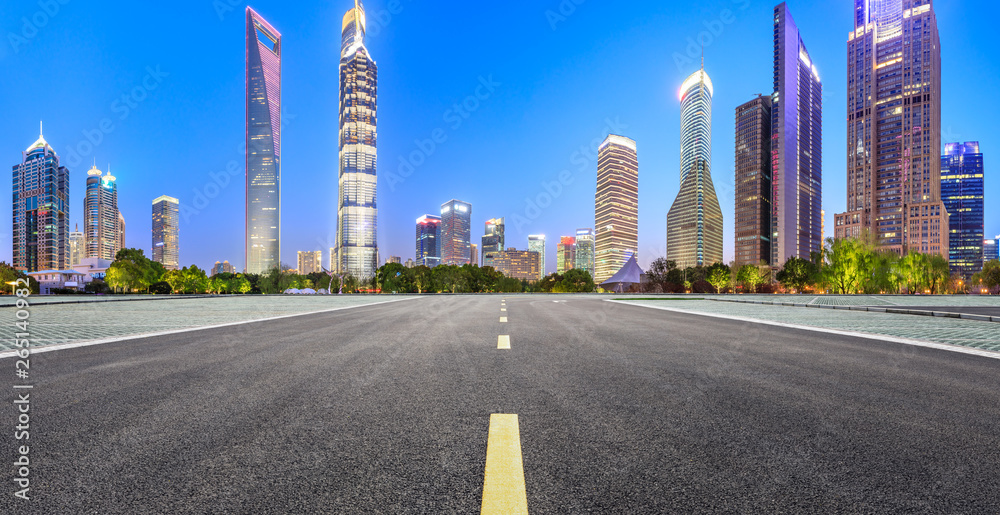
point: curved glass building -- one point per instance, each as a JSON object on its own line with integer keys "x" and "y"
{"x": 357, "y": 207}
{"x": 40, "y": 210}
{"x": 696, "y": 121}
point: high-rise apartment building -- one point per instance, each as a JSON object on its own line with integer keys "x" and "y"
{"x": 565, "y": 254}
{"x": 894, "y": 128}
{"x": 357, "y": 208}
{"x": 120, "y": 231}
{"x": 519, "y": 264}
{"x": 585, "y": 251}
{"x": 166, "y": 232}
{"x": 536, "y": 244}
{"x": 962, "y": 191}
{"x": 616, "y": 205}
{"x": 753, "y": 182}
{"x": 474, "y": 255}
{"x": 76, "y": 246}
{"x": 263, "y": 145}
{"x": 991, "y": 250}
{"x": 394, "y": 260}
{"x": 40, "y": 218}
{"x": 101, "y": 220}
{"x": 428, "y": 248}
{"x": 310, "y": 261}
{"x": 796, "y": 146}
{"x": 493, "y": 240}
{"x": 694, "y": 222}
{"x": 456, "y": 232}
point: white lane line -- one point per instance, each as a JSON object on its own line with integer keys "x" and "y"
{"x": 503, "y": 310}
{"x": 503, "y": 341}
{"x": 503, "y": 320}
{"x": 89, "y": 343}
{"x": 868, "y": 336}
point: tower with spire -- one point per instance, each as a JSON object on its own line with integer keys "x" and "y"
{"x": 103, "y": 225}
{"x": 40, "y": 222}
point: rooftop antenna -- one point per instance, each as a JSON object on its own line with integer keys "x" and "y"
{"x": 40, "y": 128}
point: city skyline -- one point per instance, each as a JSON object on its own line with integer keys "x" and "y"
{"x": 649, "y": 131}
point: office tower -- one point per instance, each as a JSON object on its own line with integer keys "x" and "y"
{"x": 166, "y": 249}
{"x": 694, "y": 222}
{"x": 585, "y": 250}
{"x": 120, "y": 231}
{"x": 41, "y": 210}
{"x": 263, "y": 145}
{"x": 428, "y": 250}
{"x": 536, "y": 243}
{"x": 519, "y": 264}
{"x": 100, "y": 216}
{"x": 409, "y": 263}
{"x": 394, "y": 260}
{"x": 474, "y": 255}
{"x": 76, "y": 246}
{"x": 357, "y": 209}
{"x": 796, "y": 146}
{"x": 223, "y": 268}
{"x": 456, "y": 232}
{"x": 894, "y": 128}
{"x": 991, "y": 250}
{"x": 493, "y": 240}
{"x": 565, "y": 254}
{"x": 616, "y": 205}
{"x": 962, "y": 191}
{"x": 753, "y": 182}
{"x": 310, "y": 261}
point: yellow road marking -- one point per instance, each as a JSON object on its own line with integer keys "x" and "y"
{"x": 503, "y": 309}
{"x": 503, "y": 484}
{"x": 503, "y": 320}
{"x": 503, "y": 341}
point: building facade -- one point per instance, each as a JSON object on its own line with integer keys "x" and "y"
{"x": 263, "y": 145}
{"x": 40, "y": 218}
{"x": 456, "y": 232}
{"x": 357, "y": 209}
{"x": 493, "y": 240}
{"x": 962, "y": 191}
{"x": 796, "y": 146}
{"x": 694, "y": 222}
{"x": 536, "y": 244}
{"x": 474, "y": 255}
{"x": 519, "y": 264}
{"x": 310, "y": 261}
{"x": 101, "y": 233}
{"x": 223, "y": 268}
{"x": 428, "y": 249}
{"x": 77, "y": 250}
{"x": 991, "y": 250}
{"x": 753, "y": 182}
{"x": 565, "y": 254}
{"x": 585, "y": 251}
{"x": 166, "y": 232}
{"x": 894, "y": 128}
{"x": 616, "y": 205}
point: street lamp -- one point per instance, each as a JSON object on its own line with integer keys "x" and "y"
{"x": 12, "y": 285}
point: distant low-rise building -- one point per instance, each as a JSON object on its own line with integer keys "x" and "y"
{"x": 991, "y": 250}
{"x": 518, "y": 264}
{"x": 49, "y": 280}
{"x": 223, "y": 268}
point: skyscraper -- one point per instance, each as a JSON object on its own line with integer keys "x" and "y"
{"x": 357, "y": 209}
{"x": 41, "y": 210}
{"x": 456, "y": 232}
{"x": 166, "y": 249}
{"x": 962, "y": 193}
{"x": 120, "y": 232}
{"x": 565, "y": 254}
{"x": 991, "y": 249}
{"x": 616, "y": 205}
{"x": 474, "y": 255}
{"x": 263, "y": 145}
{"x": 428, "y": 248}
{"x": 894, "y": 128}
{"x": 796, "y": 146}
{"x": 536, "y": 244}
{"x": 518, "y": 264}
{"x": 493, "y": 240}
{"x": 100, "y": 216}
{"x": 585, "y": 250}
{"x": 753, "y": 182}
{"x": 310, "y": 261}
{"x": 694, "y": 222}
{"x": 223, "y": 268}
{"x": 76, "y": 246}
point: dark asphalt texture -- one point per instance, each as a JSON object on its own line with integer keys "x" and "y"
{"x": 622, "y": 409}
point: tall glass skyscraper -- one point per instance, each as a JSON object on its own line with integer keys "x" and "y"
{"x": 694, "y": 222}
{"x": 76, "y": 246}
{"x": 753, "y": 182}
{"x": 796, "y": 146}
{"x": 991, "y": 249}
{"x": 428, "y": 249}
{"x": 962, "y": 194}
{"x": 894, "y": 128}
{"x": 166, "y": 232}
{"x": 565, "y": 254}
{"x": 456, "y": 232}
{"x": 585, "y": 250}
{"x": 357, "y": 208}
{"x": 101, "y": 221}
{"x": 40, "y": 210}
{"x": 263, "y": 145}
{"x": 616, "y": 205}
{"x": 536, "y": 244}
{"x": 493, "y": 240}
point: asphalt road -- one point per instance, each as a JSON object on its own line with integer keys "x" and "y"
{"x": 622, "y": 409}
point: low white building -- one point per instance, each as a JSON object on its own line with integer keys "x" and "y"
{"x": 49, "y": 280}
{"x": 93, "y": 268}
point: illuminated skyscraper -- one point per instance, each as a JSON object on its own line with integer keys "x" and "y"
{"x": 991, "y": 249}
{"x": 41, "y": 239}
{"x": 894, "y": 128}
{"x": 456, "y": 232}
{"x": 428, "y": 248}
{"x": 120, "y": 231}
{"x": 357, "y": 209}
{"x": 694, "y": 222}
{"x": 616, "y": 205}
{"x": 76, "y": 246}
{"x": 310, "y": 261}
{"x": 962, "y": 191}
{"x": 518, "y": 264}
{"x": 585, "y": 250}
{"x": 536, "y": 244}
{"x": 263, "y": 145}
{"x": 753, "y": 182}
{"x": 493, "y": 240}
{"x": 101, "y": 232}
{"x": 796, "y": 146}
{"x": 166, "y": 237}
{"x": 565, "y": 254}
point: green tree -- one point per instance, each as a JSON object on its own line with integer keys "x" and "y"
{"x": 989, "y": 277}
{"x": 575, "y": 281}
{"x": 718, "y": 276}
{"x": 797, "y": 274}
{"x": 751, "y": 277}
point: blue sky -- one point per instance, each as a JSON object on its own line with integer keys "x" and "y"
{"x": 161, "y": 93}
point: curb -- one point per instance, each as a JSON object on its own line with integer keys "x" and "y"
{"x": 871, "y": 309}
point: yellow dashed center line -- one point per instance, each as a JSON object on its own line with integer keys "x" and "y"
{"x": 503, "y": 320}
{"x": 503, "y": 484}
{"x": 503, "y": 309}
{"x": 503, "y": 341}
